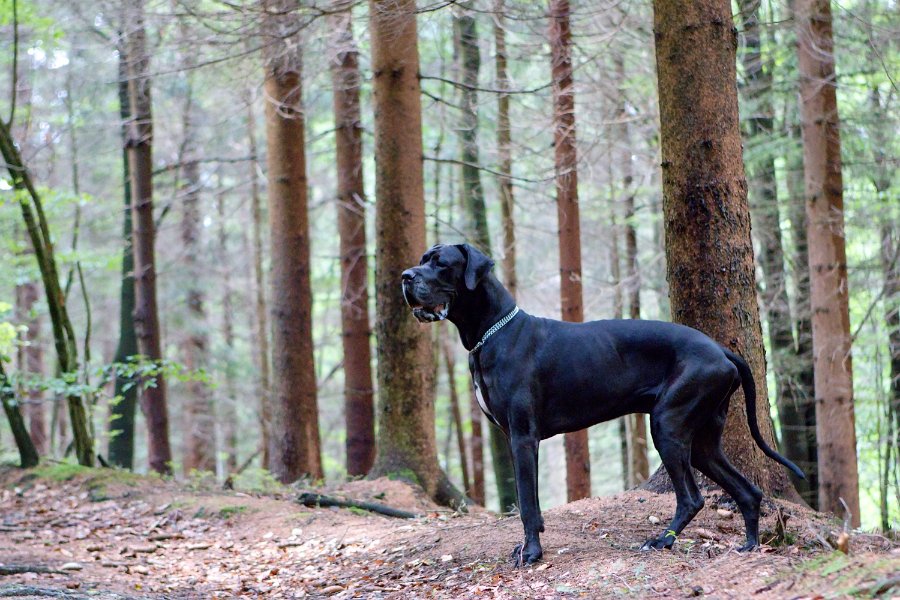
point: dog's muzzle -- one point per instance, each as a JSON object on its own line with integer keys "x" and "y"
{"x": 425, "y": 314}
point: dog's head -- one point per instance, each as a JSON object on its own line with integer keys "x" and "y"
{"x": 444, "y": 273}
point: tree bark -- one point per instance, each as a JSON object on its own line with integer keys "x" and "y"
{"x": 578, "y": 459}
{"x": 709, "y": 254}
{"x": 466, "y": 30}
{"x": 294, "y": 444}
{"x": 199, "y": 414}
{"x": 261, "y": 311}
{"x": 764, "y": 207}
{"x": 122, "y": 412}
{"x": 406, "y": 437}
{"x": 359, "y": 409}
{"x": 836, "y": 433}
{"x": 140, "y": 161}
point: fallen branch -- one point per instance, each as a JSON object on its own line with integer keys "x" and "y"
{"x": 19, "y": 569}
{"x": 27, "y": 591}
{"x": 313, "y": 500}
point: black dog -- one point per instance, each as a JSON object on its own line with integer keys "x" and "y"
{"x": 536, "y": 378}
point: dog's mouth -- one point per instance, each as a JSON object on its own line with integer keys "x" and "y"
{"x": 426, "y": 314}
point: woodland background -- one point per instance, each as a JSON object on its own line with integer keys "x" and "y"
{"x": 208, "y": 98}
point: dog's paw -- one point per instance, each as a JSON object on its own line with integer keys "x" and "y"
{"x": 749, "y": 547}
{"x": 662, "y": 543}
{"x": 526, "y": 554}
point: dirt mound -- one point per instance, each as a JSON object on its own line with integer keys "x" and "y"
{"x": 393, "y": 493}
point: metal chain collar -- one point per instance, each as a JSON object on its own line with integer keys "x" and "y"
{"x": 495, "y": 328}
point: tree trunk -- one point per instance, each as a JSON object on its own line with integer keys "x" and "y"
{"x": 63, "y": 333}
{"x": 406, "y": 437}
{"x": 228, "y": 413}
{"x": 351, "y": 204}
{"x": 450, "y": 364}
{"x": 578, "y": 458}
{"x": 28, "y": 455}
{"x": 199, "y": 411}
{"x": 294, "y": 443}
{"x": 122, "y": 412}
{"x": 31, "y": 363}
{"x": 709, "y": 254}
{"x": 767, "y": 219}
{"x": 836, "y": 433}
{"x": 801, "y": 365}
{"x": 504, "y": 152}
{"x": 140, "y": 162}
{"x": 476, "y": 212}
{"x": 260, "y": 307}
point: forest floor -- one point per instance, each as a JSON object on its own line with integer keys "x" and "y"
{"x": 111, "y": 535}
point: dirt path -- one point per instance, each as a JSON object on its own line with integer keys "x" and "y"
{"x": 115, "y": 535}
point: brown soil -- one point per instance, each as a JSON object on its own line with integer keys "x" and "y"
{"x": 146, "y": 538}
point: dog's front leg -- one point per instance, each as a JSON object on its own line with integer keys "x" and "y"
{"x": 525, "y": 459}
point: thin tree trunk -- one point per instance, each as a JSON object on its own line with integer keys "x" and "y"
{"x": 261, "y": 310}
{"x": 140, "y": 161}
{"x": 636, "y": 424}
{"x": 359, "y": 409}
{"x": 504, "y": 152}
{"x": 767, "y": 221}
{"x": 450, "y": 364}
{"x": 31, "y": 363}
{"x": 578, "y": 458}
{"x": 836, "y": 433}
{"x": 709, "y": 253}
{"x": 294, "y": 449}
{"x": 228, "y": 413}
{"x": 406, "y": 437}
{"x": 466, "y": 30}
{"x": 199, "y": 414}
{"x": 122, "y": 412}
{"x": 28, "y": 455}
{"x": 802, "y": 375}
{"x": 63, "y": 333}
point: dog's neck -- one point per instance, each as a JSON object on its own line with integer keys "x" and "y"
{"x": 475, "y": 312}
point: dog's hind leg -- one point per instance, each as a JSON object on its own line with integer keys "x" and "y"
{"x": 708, "y": 457}
{"x": 672, "y": 435}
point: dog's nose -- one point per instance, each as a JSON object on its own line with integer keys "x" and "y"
{"x": 408, "y": 275}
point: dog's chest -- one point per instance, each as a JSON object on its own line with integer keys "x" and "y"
{"x": 481, "y": 393}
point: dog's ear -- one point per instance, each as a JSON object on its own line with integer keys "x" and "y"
{"x": 477, "y": 265}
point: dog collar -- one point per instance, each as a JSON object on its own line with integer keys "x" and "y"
{"x": 495, "y": 328}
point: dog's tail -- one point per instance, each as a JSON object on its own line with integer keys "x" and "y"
{"x": 750, "y": 398}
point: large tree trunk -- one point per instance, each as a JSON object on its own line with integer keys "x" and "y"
{"x": 140, "y": 160}
{"x": 578, "y": 458}
{"x": 261, "y": 311}
{"x": 31, "y": 363}
{"x": 294, "y": 443}
{"x": 351, "y": 204}
{"x": 767, "y": 219}
{"x": 199, "y": 415}
{"x": 836, "y": 433}
{"x": 122, "y": 412}
{"x": 476, "y": 212}
{"x": 709, "y": 254}
{"x": 406, "y": 438}
{"x": 504, "y": 151}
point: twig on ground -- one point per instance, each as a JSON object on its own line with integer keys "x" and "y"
{"x": 312, "y": 500}
{"x": 19, "y": 569}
